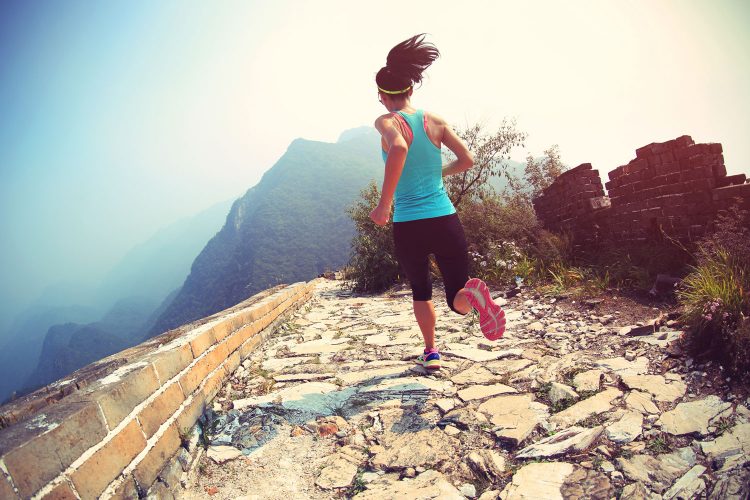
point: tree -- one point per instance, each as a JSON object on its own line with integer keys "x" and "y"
{"x": 490, "y": 152}
{"x": 372, "y": 266}
{"x": 539, "y": 174}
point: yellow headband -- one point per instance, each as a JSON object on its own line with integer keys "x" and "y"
{"x": 394, "y": 91}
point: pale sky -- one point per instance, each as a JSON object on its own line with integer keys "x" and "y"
{"x": 117, "y": 118}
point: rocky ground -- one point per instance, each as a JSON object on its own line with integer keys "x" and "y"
{"x": 587, "y": 400}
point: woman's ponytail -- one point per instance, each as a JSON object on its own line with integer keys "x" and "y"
{"x": 405, "y": 64}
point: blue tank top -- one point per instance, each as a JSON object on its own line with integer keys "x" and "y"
{"x": 420, "y": 193}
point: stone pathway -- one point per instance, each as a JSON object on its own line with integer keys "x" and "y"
{"x": 566, "y": 405}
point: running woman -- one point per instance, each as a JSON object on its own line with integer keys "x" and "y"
{"x": 424, "y": 219}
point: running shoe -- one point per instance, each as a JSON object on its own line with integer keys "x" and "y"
{"x": 430, "y": 360}
{"x": 491, "y": 315}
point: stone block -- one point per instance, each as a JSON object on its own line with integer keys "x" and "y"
{"x": 160, "y": 409}
{"x": 241, "y": 335}
{"x": 233, "y": 361}
{"x": 719, "y": 170}
{"x": 62, "y": 491}
{"x": 654, "y": 160}
{"x": 203, "y": 341}
{"x": 667, "y": 157}
{"x": 615, "y": 174}
{"x": 95, "y": 474}
{"x": 599, "y": 203}
{"x": 190, "y": 412}
{"x": 126, "y": 490}
{"x": 169, "y": 363}
{"x": 148, "y": 468}
{"x": 171, "y": 474}
{"x": 249, "y": 346}
{"x": 120, "y": 397}
{"x": 37, "y": 451}
{"x": 214, "y": 381}
{"x": 6, "y": 489}
{"x": 731, "y": 180}
{"x": 644, "y": 151}
{"x": 218, "y": 355}
{"x": 222, "y": 329}
{"x": 741, "y": 191}
{"x": 190, "y": 380}
{"x": 682, "y": 153}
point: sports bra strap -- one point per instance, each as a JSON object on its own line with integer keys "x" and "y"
{"x": 404, "y": 126}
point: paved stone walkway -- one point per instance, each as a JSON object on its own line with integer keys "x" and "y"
{"x": 566, "y": 405}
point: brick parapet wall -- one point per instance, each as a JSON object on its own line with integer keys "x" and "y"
{"x": 573, "y": 202}
{"x": 675, "y": 188}
{"x": 110, "y": 428}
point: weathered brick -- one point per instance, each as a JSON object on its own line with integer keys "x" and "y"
{"x": 719, "y": 170}
{"x": 700, "y": 149}
{"x": 222, "y": 329}
{"x": 148, "y": 468}
{"x": 171, "y": 474}
{"x": 667, "y": 157}
{"x": 233, "y": 361}
{"x": 218, "y": 355}
{"x": 741, "y": 190}
{"x": 160, "y": 409}
{"x": 654, "y": 160}
{"x": 170, "y": 362}
{"x": 214, "y": 381}
{"x": 616, "y": 173}
{"x": 203, "y": 340}
{"x": 62, "y": 491}
{"x": 698, "y": 161}
{"x": 118, "y": 399}
{"x": 191, "y": 379}
{"x": 6, "y": 489}
{"x": 190, "y": 412}
{"x": 34, "y": 455}
{"x": 126, "y": 490}
{"x": 249, "y": 346}
{"x": 644, "y": 151}
{"x": 731, "y": 180}
{"x": 240, "y": 336}
{"x": 95, "y": 474}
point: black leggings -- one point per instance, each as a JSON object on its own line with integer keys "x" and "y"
{"x": 443, "y": 236}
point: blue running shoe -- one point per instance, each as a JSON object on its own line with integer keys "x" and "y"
{"x": 430, "y": 359}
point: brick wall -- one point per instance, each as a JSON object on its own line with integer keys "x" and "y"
{"x": 675, "y": 188}
{"x": 110, "y": 429}
{"x": 572, "y": 204}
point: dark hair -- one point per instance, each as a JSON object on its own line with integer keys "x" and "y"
{"x": 405, "y": 64}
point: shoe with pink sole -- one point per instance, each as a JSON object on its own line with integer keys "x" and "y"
{"x": 491, "y": 315}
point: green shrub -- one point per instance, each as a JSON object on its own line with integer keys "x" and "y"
{"x": 372, "y": 267}
{"x": 506, "y": 241}
{"x": 732, "y": 236}
{"x": 715, "y": 296}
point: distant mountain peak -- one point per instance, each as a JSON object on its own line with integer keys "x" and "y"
{"x": 355, "y": 133}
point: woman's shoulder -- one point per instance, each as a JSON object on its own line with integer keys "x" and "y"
{"x": 385, "y": 119}
{"x": 434, "y": 118}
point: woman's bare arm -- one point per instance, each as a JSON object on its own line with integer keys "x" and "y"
{"x": 394, "y": 165}
{"x": 464, "y": 158}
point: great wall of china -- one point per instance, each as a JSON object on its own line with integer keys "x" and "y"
{"x": 114, "y": 428}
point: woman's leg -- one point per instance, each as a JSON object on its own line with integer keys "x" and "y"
{"x": 425, "y": 314}
{"x": 451, "y": 254}
{"x": 414, "y": 261}
{"x": 461, "y": 303}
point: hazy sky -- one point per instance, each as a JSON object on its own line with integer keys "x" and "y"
{"x": 117, "y": 118}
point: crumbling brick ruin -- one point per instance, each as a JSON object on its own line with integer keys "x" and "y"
{"x": 674, "y": 188}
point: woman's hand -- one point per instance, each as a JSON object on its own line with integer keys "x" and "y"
{"x": 381, "y": 214}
